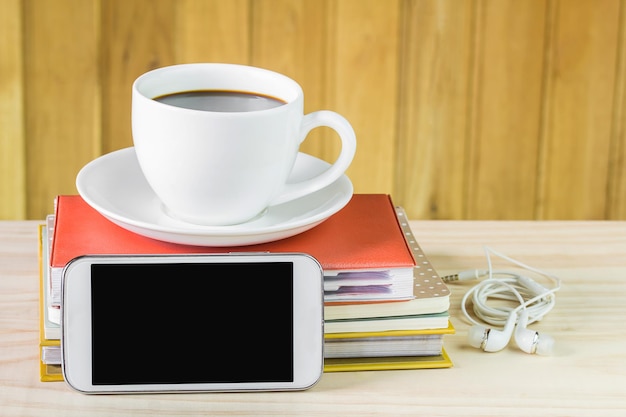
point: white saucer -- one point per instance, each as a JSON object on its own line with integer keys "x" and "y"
{"x": 114, "y": 185}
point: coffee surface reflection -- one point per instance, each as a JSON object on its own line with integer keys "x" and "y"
{"x": 220, "y": 101}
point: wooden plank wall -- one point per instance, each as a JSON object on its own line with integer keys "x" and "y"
{"x": 464, "y": 109}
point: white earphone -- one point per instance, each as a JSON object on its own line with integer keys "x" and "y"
{"x": 533, "y": 302}
{"x": 491, "y": 340}
{"x": 527, "y": 340}
{"x": 531, "y": 341}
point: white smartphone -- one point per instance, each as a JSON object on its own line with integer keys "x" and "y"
{"x": 232, "y": 322}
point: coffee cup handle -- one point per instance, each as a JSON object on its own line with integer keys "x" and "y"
{"x": 348, "y": 148}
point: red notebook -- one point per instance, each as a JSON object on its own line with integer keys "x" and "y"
{"x": 364, "y": 236}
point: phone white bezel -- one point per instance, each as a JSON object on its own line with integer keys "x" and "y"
{"x": 308, "y": 319}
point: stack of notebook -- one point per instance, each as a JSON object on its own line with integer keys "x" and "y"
{"x": 387, "y": 317}
{"x": 385, "y": 305}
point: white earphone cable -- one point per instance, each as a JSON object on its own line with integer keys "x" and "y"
{"x": 513, "y": 291}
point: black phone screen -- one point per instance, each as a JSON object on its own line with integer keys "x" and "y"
{"x": 192, "y": 323}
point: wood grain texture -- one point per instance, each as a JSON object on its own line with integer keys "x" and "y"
{"x": 579, "y": 103}
{"x": 13, "y": 192}
{"x": 61, "y": 96}
{"x": 504, "y": 143}
{"x": 433, "y": 108}
{"x": 616, "y": 208}
{"x": 137, "y": 36}
{"x": 480, "y": 109}
{"x": 585, "y": 376}
{"x": 213, "y": 31}
{"x": 364, "y": 83}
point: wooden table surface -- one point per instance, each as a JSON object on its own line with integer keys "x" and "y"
{"x": 586, "y": 376}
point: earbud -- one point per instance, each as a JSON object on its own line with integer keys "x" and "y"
{"x": 531, "y": 341}
{"x": 509, "y": 286}
{"x": 527, "y": 340}
{"x": 491, "y": 340}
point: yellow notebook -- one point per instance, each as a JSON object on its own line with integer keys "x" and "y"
{"x": 388, "y": 363}
{"x": 393, "y": 343}
{"x": 47, "y": 373}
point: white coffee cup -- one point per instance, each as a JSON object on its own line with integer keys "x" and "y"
{"x": 226, "y": 167}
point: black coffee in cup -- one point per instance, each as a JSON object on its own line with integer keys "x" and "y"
{"x": 220, "y": 101}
